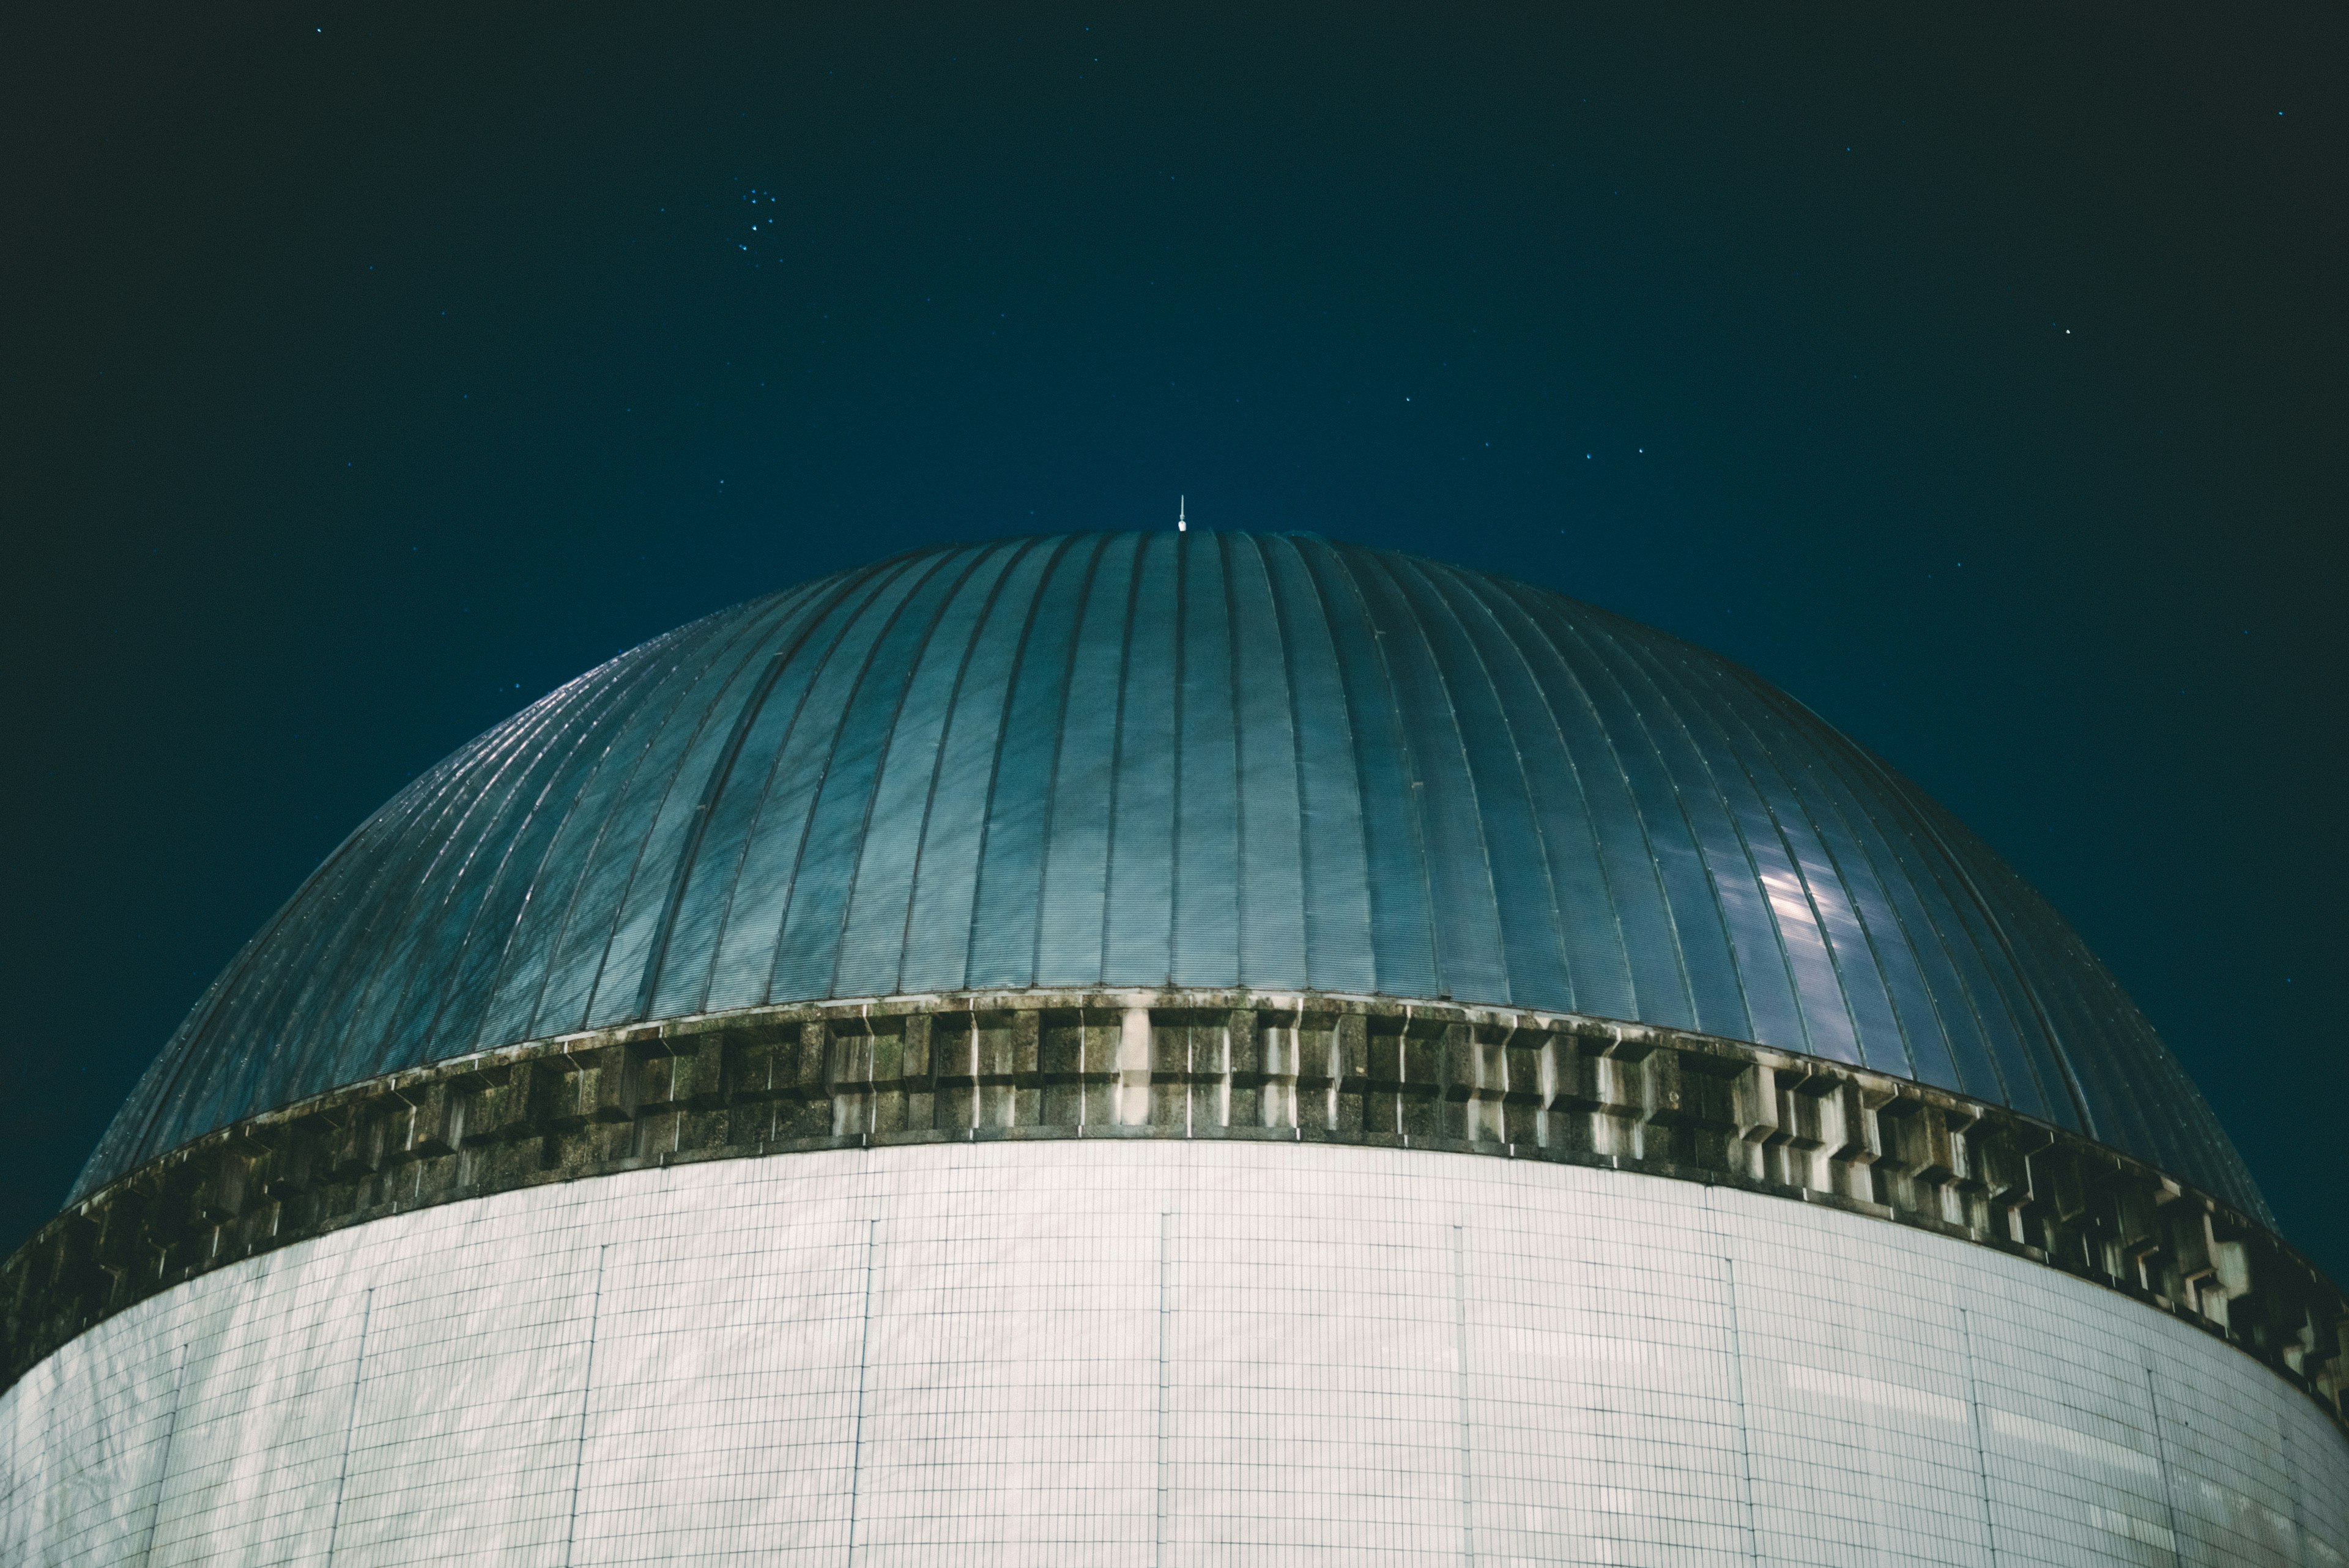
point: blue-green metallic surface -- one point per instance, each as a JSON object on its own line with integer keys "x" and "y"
{"x": 1199, "y": 760}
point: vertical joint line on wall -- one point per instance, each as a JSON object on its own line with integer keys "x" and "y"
{"x": 864, "y": 1352}
{"x": 1190, "y": 1032}
{"x": 586, "y": 1387}
{"x": 1165, "y": 1268}
{"x": 1981, "y": 1452}
{"x": 2291, "y": 1487}
{"x": 350, "y": 1425}
{"x": 2161, "y": 1458}
{"x": 1460, "y": 1362}
{"x": 1402, "y": 1065}
{"x": 1737, "y": 1392}
{"x": 170, "y": 1430}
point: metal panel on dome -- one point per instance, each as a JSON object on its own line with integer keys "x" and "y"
{"x": 1194, "y": 760}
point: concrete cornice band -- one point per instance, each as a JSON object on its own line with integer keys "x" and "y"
{"x": 1313, "y": 1068}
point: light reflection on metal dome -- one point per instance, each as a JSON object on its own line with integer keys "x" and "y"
{"x": 1184, "y": 759}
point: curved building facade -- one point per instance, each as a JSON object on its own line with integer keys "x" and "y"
{"x": 1131, "y": 1048}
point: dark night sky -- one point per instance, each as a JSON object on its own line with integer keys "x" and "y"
{"x": 1976, "y": 375}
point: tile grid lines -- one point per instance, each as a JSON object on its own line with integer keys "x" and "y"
{"x": 2161, "y": 1455}
{"x": 863, "y": 1359}
{"x": 1009, "y": 1405}
{"x": 351, "y": 1425}
{"x": 163, "y": 1469}
{"x": 1467, "y": 1454}
{"x": 586, "y": 1392}
{"x": 1973, "y": 1419}
{"x": 1165, "y": 1266}
{"x": 2292, "y": 1485}
{"x": 1737, "y": 1390}
{"x": 492, "y": 1123}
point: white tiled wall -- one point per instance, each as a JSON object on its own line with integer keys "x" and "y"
{"x": 1155, "y": 1353}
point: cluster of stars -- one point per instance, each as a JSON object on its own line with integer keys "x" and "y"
{"x": 756, "y": 198}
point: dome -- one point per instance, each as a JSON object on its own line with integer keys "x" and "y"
{"x": 1268, "y": 762}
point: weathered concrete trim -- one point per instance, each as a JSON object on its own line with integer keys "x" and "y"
{"x": 1316, "y": 1068}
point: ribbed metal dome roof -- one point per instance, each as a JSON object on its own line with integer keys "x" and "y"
{"x": 1188, "y": 760}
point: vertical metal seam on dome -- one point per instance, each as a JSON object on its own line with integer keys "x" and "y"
{"x": 731, "y": 887}
{"x": 1476, "y": 803}
{"x": 2119, "y": 1087}
{"x": 1751, "y": 750}
{"x": 1059, "y": 739}
{"x": 195, "y": 1029}
{"x": 830, "y": 750}
{"x": 1639, "y": 656}
{"x": 2170, "y": 1108}
{"x": 643, "y": 674}
{"x": 1471, "y": 587}
{"x": 1526, "y": 606}
{"x": 780, "y": 607}
{"x": 722, "y": 770}
{"x": 1314, "y": 590}
{"x": 1748, "y": 761}
{"x": 1817, "y": 802}
{"x": 1174, "y": 797}
{"x": 750, "y": 631}
{"x": 1713, "y": 756}
{"x": 162, "y": 1078}
{"x": 2109, "y": 1086}
{"x": 645, "y": 861}
{"x": 1437, "y": 579}
{"x": 343, "y": 948}
{"x": 2209, "y": 1133}
{"x": 2109, "y": 1078}
{"x": 1577, "y": 630}
{"x": 1994, "y": 1009}
{"x": 2042, "y": 1014}
{"x": 715, "y": 793}
{"x": 995, "y": 764}
{"x": 978, "y": 556}
{"x": 1895, "y": 838}
{"x": 1890, "y": 792}
{"x": 2135, "y": 1075}
{"x": 396, "y": 937}
{"x": 158, "y": 1086}
{"x": 1117, "y": 747}
{"x": 1073, "y": 834}
{"x": 522, "y": 743}
{"x": 1759, "y": 746}
{"x": 557, "y": 923}
{"x": 2225, "y": 1159}
{"x": 1420, "y": 569}
{"x": 1989, "y": 914}
{"x": 1415, "y": 786}
{"x": 1288, "y": 638}
{"x": 2161, "y": 1104}
{"x": 335, "y": 900}
{"x": 952, "y": 714}
{"x": 1920, "y": 905}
